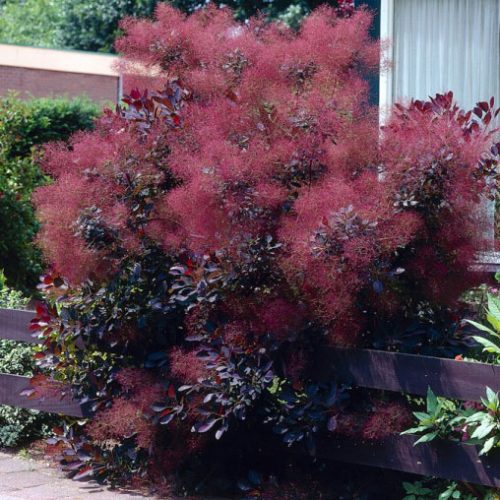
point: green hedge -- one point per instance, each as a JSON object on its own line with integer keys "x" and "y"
{"x": 24, "y": 126}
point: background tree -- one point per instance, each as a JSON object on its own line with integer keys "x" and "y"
{"x": 30, "y": 22}
{"x": 93, "y": 25}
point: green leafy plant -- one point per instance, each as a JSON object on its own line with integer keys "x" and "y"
{"x": 470, "y": 423}
{"x": 491, "y": 343}
{"x": 446, "y": 419}
{"x": 10, "y": 299}
{"x": 486, "y": 423}
{"x": 416, "y": 491}
{"x": 438, "y": 420}
{"x": 436, "y": 489}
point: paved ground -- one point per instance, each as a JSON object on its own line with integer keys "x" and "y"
{"x": 29, "y": 479}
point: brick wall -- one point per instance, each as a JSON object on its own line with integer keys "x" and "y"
{"x": 44, "y": 83}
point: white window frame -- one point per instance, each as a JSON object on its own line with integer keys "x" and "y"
{"x": 386, "y": 76}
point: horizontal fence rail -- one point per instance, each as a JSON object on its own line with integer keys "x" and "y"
{"x": 14, "y": 325}
{"x": 444, "y": 459}
{"x": 413, "y": 374}
{"x": 12, "y": 386}
{"x": 409, "y": 373}
{"x": 486, "y": 262}
{"x": 366, "y": 368}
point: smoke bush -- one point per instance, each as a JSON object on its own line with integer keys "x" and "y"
{"x": 218, "y": 231}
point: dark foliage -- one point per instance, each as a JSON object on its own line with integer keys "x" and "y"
{"x": 212, "y": 236}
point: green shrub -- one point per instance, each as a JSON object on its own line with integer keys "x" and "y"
{"x": 10, "y": 299}
{"x": 17, "y": 425}
{"x": 24, "y": 126}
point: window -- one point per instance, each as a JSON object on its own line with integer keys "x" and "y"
{"x": 441, "y": 45}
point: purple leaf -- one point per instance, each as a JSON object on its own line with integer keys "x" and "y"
{"x": 332, "y": 424}
{"x": 167, "y": 419}
{"x": 378, "y": 286}
{"x": 159, "y": 407}
{"x": 204, "y": 426}
{"x": 483, "y": 105}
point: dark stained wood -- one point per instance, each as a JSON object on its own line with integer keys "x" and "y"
{"x": 11, "y": 387}
{"x": 486, "y": 262}
{"x": 14, "y": 325}
{"x": 444, "y": 459}
{"x": 485, "y": 267}
{"x": 410, "y": 373}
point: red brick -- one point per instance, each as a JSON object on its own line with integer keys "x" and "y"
{"x": 43, "y": 83}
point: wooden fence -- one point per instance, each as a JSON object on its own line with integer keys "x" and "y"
{"x": 413, "y": 374}
{"x": 14, "y": 325}
{"x": 363, "y": 368}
